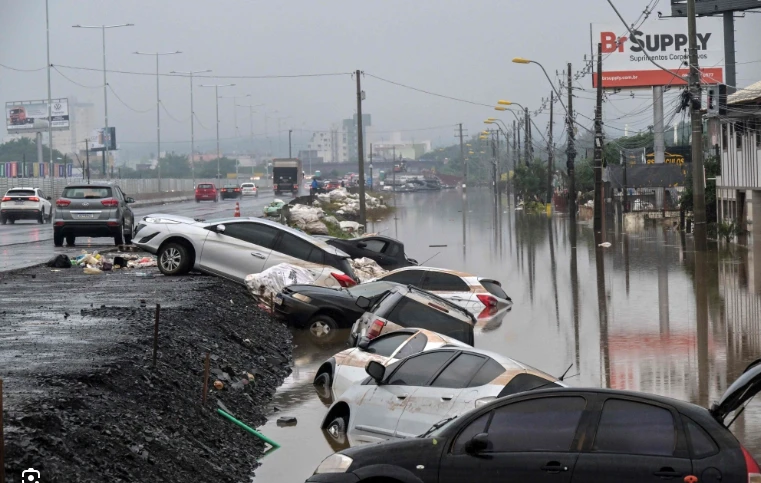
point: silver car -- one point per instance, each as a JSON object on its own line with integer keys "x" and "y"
{"x": 408, "y": 397}
{"x": 236, "y": 247}
{"x": 93, "y": 210}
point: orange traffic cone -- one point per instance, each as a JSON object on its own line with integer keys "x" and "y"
{"x": 237, "y": 210}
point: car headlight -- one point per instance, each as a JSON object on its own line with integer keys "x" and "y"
{"x": 335, "y": 463}
{"x": 163, "y": 221}
{"x": 301, "y": 297}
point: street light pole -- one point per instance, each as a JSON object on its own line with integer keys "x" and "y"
{"x": 50, "y": 101}
{"x": 289, "y": 143}
{"x": 192, "y": 123}
{"x": 105, "y": 83}
{"x": 158, "y": 111}
{"x": 216, "y": 101}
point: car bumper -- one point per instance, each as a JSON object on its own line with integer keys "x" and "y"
{"x": 206, "y": 197}
{"x": 20, "y": 213}
{"x": 334, "y": 478}
{"x": 94, "y": 229}
{"x": 249, "y": 193}
{"x": 295, "y": 312}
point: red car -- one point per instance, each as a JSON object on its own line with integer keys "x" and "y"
{"x": 332, "y": 185}
{"x": 206, "y": 192}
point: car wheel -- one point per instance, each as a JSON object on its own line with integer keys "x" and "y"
{"x": 128, "y": 237}
{"x": 173, "y": 259}
{"x": 198, "y": 201}
{"x": 50, "y": 216}
{"x": 41, "y": 217}
{"x": 119, "y": 237}
{"x": 11, "y": 221}
{"x": 70, "y": 239}
{"x": 3, "y": 220}
{"x": 57, "y": 239}
{"x": 337, "y": 428}
{"x": 324, "y": 379}
{"x": 322, "y": 328}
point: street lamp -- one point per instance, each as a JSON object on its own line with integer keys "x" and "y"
{"x": 105, "y": 84}
{"x": 216, "y": 101}
{"x": 251, "y": 113}
{"x": 192, "y": 122}
{"x": 158, "y": 110}
{"x": 521, "y": 60}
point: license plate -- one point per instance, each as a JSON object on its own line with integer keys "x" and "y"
{"x": 19, "y": 202}
{"x": 85, "y": 216}
{"x": 279, "y": 300}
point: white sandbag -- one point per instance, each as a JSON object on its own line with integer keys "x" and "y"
{"x": 339, "y": 194}
{"x": 302, "y": 215}
{"x": 351, "y": 227}
{"x": 270, "y": 282}
{"x": 367, "y": 269}
{"x": 323, "y": 197}
{"x": 316, "y": 228}
{"x": 330, "y": 220}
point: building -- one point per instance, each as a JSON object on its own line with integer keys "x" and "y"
{"x": 738, "y": 141}
{"x": 396, "y": 146}
{"x": 349, "y": 141}
{"x": 327, "y": 146}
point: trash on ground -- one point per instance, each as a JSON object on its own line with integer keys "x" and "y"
{"x": 271, "y": 281}
{"x": 352, "y": 227}
{"x": 367, "y": 269}
{"x": 59, "y": 261}
{"x": 93, "y": 271}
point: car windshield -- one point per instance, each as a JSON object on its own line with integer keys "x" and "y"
{"x": 85, "y": 193}
{"x": 230, "y": 186}
{"x": 247, "y": 185}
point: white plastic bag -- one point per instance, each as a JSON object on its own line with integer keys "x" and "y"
{"x": 270, "y": 282}
{"x": 367, "y": 269}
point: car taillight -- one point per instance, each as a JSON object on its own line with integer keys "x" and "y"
{"x": 109, "y": 202}
{"x": 33, "y": 198}
{"x": 6, "y": 198}
{"x": 375, "y": 329}
{"x": 487, "y": 300}
{"x": 62, "y": 203}
{"x": 344, "y": 281}
{"x": 754, "y": 472}
{"x": 237, "y": 189}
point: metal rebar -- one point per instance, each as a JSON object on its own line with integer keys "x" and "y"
{"x": 156, "y": 334}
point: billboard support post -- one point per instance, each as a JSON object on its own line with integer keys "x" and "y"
{"x": 599, "y": 195}
{"x": 87, "y": 158}
{"x": 40, "y": 160}
{"x": 659, "y": 144}
{"x": 729, "y": 51}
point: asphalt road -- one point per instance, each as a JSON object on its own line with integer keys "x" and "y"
{"x": 28, "y": 243}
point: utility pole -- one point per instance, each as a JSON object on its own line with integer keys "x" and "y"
{"x": 496, "y": 166}
{"x": 50, "y": 101}
{"x": 289, "y": 143}
{"x": 526, "y": 138}
{"x": 87, "y": 157}
{"x": 698, "y": 186}
{"x": 516, "y": 157}
{"x": 192, "y": 123}
{"x": 519, "y": 140}
{"x": 599, "y": 196}
{"x": 361, "y": 154}
{"x": 550, "y": 159}
{"x": 494, "y": 161}
{"x": 571, "y": 151}
{"x": 464, "y": 161}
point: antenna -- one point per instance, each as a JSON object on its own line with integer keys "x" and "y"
{"x": 566, "y": 372}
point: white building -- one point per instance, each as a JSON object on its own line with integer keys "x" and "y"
{"x": 331, "y": 146}
{"x": 396, "y": 146}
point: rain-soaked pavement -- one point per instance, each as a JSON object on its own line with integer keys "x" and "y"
{"x": 27, "y": 243}
{"x": 646, "y": 314}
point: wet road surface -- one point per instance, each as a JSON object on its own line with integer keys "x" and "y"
{"x": 27, "y": 243}
{"x": 646, "y": 314}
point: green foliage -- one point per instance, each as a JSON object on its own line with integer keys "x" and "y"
{"x": 25, "y": 148}
{"x": 531, "y": 180}
{"x": 712, "y": 169}
{"x": 585, "y": 175}
{"x": 612, "y": 150}
{"x": 175, "y": 166}
{"x": 728, "y": 230}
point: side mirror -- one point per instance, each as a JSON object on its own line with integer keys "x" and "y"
{"x": 477, "y": 444}
{"x": 361, "y": 245}
{"x": 363, "y": 343}
{"x": 129, "y": 200}
{"x": 363, "y": 302}
{"x": 219, "y": 228}
{"x": 376, "y": 370}
{"x": 48, "y": 198}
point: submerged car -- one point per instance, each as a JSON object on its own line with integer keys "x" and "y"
{"x": 385, "y": 251}
{"x": 273, "y": 209}
{"x": 568, "y": 435}
{"x": 348, "y": 366}
{"x": 324, "y": 310}
{"x": 409, "y": 306}
{"x": 483, "y": 297}
{"x": 25, "y": 204}
{"x": 406, "y": 398}
{"x": 93, "y": 210}
{"x": 236, "y": 247}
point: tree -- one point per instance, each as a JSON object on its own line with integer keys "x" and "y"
{"x": 712, "y": 169}
{"x": 209, "y": 169}
{"x": 22, "y": 149}
{"x": 175, "y": 166}
{"x": 531, "y": 180}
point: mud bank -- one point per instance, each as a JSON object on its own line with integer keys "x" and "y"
{"x": 83, "y": 402}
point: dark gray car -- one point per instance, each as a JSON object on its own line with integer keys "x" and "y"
{"x": 94, "y": 210}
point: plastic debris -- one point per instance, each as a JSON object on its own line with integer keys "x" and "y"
{"x": 604, "y": 244}
{"x": 286, "y": 421}
{"x": 93, "y": 271}
{"x": 367, "y": 269}
{"x": 270, "y": 282}
{"x": 219, "y": 385}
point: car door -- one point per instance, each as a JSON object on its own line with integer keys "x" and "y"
{"x": 242, "y": 249}
{"x": 291, "y": 249}
{"x": 530, "y": 440}
{"x": 435, "y": 401}
{"x": 377, "y": 413}
{"x": 129, "y": 217}
{"x": 635, "y": 441}
{"x": 47, "y": 207}
{"x": 373, "y": 248}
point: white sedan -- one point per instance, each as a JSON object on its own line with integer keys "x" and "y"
{"x": 482, "y": 297}
{"x": 407, "y": 398}
{"x": 348, "y": 367}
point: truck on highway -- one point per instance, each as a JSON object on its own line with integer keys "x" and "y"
{"x": 287, "y": 175}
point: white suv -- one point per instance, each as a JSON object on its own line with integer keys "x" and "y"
{"x": 25, "y": 204}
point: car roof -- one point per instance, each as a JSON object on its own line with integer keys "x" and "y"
{"x": 380, "y": 237}
{"x": 23, "y": 188}
{"x": 433, "y": 269}
{"x": 93, "y": 185}
{"x": 506, "y": 362}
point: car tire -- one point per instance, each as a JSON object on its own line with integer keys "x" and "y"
{"x": 198, "y": 201}
{"x": 336, "y": 429}
{"x": 119, "y": 237}
{"x": 128, "y": 238}
{"x": 11, "y": 221}
{"x": 70, "y": 239}
{"x": 50, "y": 216}
{"x": 173, "y": 259}
{"x": 41, "y": 217}
{"x": 322, "y": 328}
{"x": 3, "y": 220}
{"x": 325, "y": 378}
{"x": 57, "y": 239}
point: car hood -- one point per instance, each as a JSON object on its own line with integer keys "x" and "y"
{"x": 172, "y": 218}
{"x": 743, "y": 389}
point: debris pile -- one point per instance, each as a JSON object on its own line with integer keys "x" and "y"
{"x": 264, "y": 286}
{"x": 96, "y": 263}
{"x": 346, "y": 203}
{"x": 367, "y": 269}
{"x": 308, "y": 219}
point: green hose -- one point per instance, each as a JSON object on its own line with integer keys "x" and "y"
{"x": 249, "y": 429}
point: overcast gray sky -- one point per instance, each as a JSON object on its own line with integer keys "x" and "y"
{"x": 453, "y": 47}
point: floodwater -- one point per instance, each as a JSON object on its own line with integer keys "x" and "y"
{"x": 646, "y": 314}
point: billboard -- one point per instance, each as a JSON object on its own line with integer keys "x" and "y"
{"x": 32, "y": 116}
{"x": 625, "y": 64}
{"x": 98, "y": 139}
{"x": 713, "y": 7}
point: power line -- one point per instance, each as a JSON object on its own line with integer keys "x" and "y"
{"x": 153, "y": 74}
{"x": 75, "y": 82}
{"x": 18, "y": 69}
{"x": 127, "y": 105}
{"x": 429, "y": 92}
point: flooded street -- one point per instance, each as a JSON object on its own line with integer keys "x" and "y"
{"x": 646, "y": 314}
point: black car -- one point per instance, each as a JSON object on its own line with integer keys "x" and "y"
{"x": 323, "y": 310}
{"x": 230, "y": 191}
{"x": 387, "y": 252}
{"x": 562, "y": 435}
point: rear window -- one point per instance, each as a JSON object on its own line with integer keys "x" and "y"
{"x": 410, "y": 313}
{"x": 493, "y": 288}
{"x": 247, "y": 185}
{"x": 20, "y": 193}
{"x": 525, "y": 382}
{"x": 387, "y": 344}
{"x": 85, "y": 193}
{"x": 205, "y": 186}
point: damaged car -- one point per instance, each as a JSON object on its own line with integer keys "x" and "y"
{"x": 348, "y": 367}
{"x": 410, "y": 306}
{"x": 385, "y": 251}
{"x": 236, "y": 247}
{"x": 568, "y": 434}
{"x": 406, "y": 398}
